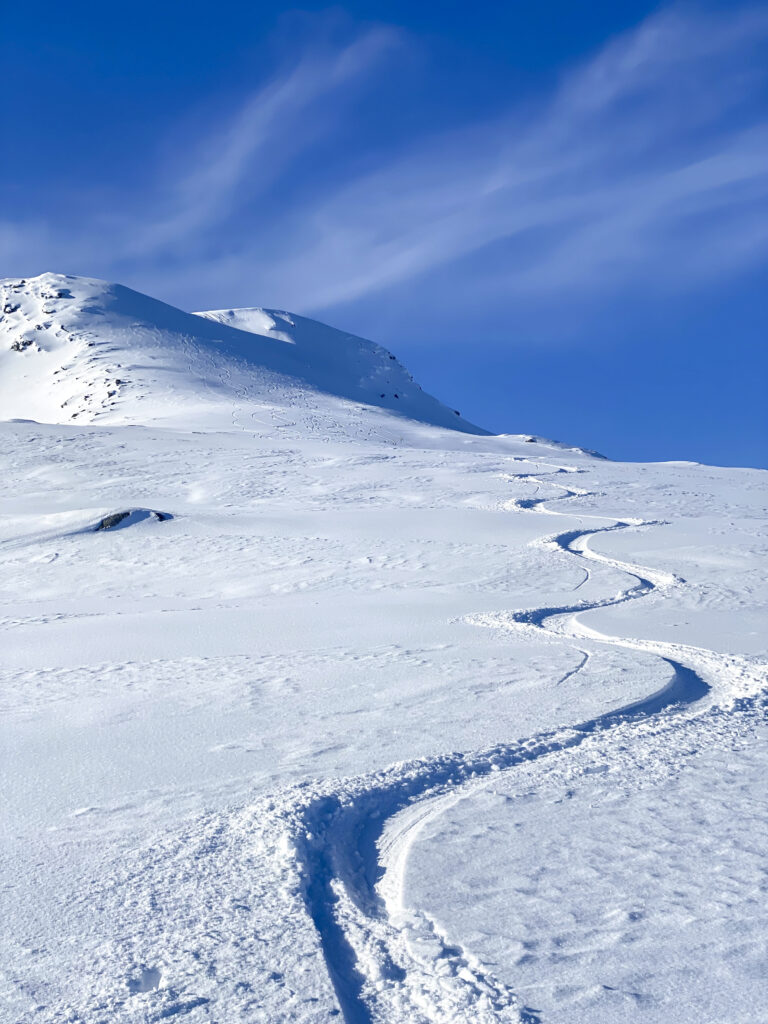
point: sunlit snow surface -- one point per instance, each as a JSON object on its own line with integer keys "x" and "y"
{"x": 335, "y": 735}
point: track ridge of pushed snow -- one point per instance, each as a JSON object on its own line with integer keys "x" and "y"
{"x": 390, "y": 963}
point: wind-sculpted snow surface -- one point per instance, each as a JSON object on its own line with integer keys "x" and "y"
{"x": 283, "y": 750}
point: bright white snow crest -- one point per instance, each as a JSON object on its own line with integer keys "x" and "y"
{"x": 319, "y": 703}
{"x": 76, "y": 349}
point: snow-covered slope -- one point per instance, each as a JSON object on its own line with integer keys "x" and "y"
{"x": 312, "y": 709}
{"x": 75, "y": 349}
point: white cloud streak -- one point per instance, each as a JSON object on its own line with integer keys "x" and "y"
{"x": 614, "y": 164}
{"x": 637, "y": 160}
{"x": 273, "y": 127}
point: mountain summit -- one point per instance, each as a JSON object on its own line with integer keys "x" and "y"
{"x": 75, "y": 349}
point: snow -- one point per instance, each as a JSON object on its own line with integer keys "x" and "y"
{"x": 645, "y": 900}
{"x": 359, "y": 713}
{"x": 79, "y": 349}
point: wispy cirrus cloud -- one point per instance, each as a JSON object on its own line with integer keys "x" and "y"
{"x": 226, "y": 163}
{"x": 650, "y": 160}
{"x": 634, "y": 155}
{"x": 274, "y": 127}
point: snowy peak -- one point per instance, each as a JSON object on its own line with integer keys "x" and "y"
{"x": 80, "y": 349}
{"x": 48, "y": 365}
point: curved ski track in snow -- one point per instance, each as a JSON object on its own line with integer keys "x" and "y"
{"x": 352, "y": 837}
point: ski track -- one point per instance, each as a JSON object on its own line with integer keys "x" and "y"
{"x": 389, "y": 963}
{"x": 338, "y": 848}
{"x": 342, "y": 845}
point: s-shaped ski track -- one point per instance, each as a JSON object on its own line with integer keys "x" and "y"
{"x": 390, "y": 963}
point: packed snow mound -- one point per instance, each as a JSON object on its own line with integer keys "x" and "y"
{"x": 84, "y": 350}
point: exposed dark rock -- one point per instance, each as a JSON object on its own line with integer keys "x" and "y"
{"x": 132, "y": 515}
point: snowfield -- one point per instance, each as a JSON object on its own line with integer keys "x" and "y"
{"x": 320, "y": 703}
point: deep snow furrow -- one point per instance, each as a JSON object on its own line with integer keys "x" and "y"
{"x": 399, "y": 970}
{"x": 389, "y": 963}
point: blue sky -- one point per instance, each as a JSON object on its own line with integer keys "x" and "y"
{"x": 554, "y": 213}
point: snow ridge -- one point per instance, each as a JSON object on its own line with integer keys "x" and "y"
{"x": 76, "y": 349}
